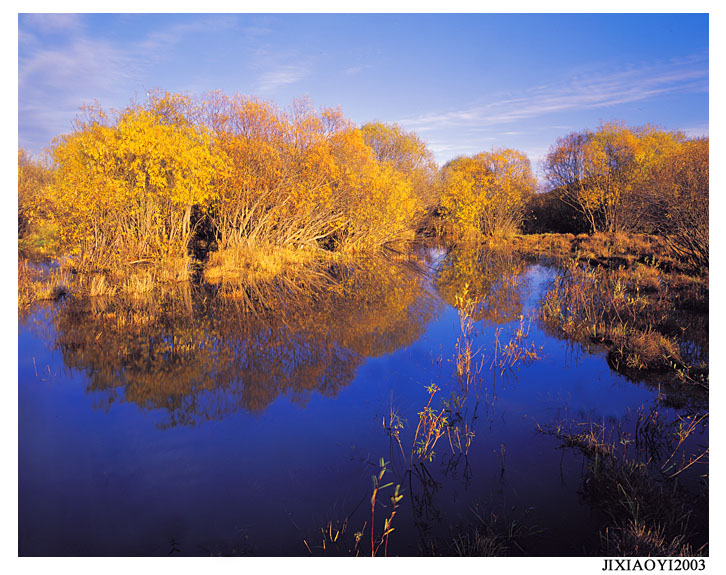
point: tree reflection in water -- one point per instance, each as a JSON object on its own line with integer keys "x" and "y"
{"x": 495, "y": 280}
{"x": 203, "y": 352}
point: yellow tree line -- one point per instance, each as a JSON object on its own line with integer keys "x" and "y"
{"x": 133, "y": 185}
{"x": 126, "y": 183}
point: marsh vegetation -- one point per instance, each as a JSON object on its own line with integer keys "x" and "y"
{"x": 264, "y": 309}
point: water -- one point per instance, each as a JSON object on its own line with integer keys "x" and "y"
{"x": 198, "y": 423}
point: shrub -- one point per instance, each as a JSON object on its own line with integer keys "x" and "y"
{"x": 486, "y": 194}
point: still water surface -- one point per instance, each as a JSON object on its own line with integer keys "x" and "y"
{"x": 203, "y": 422}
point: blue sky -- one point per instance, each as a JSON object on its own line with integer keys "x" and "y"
{"x": 463, "y": 82}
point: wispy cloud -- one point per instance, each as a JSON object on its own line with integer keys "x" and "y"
{"x": 281, "y": 76}
{"x": 354, "y": 70}
{"x": 62, "y": 66}
{"x": 83, "y": 62}
{"x": 157, "y": 44}
{"x": 54, "y": 23}
{"x": 53, "y": 83}
{"x": 276, "y": 68}
{"x": 580, "y": 93}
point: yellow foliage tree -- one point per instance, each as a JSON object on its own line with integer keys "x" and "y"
{"x": 486, "y": 193}
{"x": 602, "y": 173}
{"x": 262, "y": 177}
{"x": 127, "y": 182}
{"x": 301, "y": 178}
{"x": 408, "y": 154}
{"x": 678, "y": 200}
{"x": 34, "y": 178}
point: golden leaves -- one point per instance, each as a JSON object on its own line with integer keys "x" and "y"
{"x": 127, "y": 181}
{"x": 604, "y": 173}
{"x": 486, "y": 193}
{"x": 125, "y": 187}
{"x": 301, "y": 177}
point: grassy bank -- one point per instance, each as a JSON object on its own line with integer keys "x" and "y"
{"x": 48, "y": 278}
{"x": 610, "y": 250}
{"x": 629, "y": 294}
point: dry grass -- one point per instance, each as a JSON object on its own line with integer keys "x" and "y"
{"x": 636, "y": 313}
{"x": 479, "y": 543}
{"x": 557, "y": 245}
{"x": 603, "y": 249}
{"x": 139, "y": 283}
{"x": 649, "y": 512}
{"x": 507, "y": 356}
{"x": 35, "y": 284}
{"x": 647, "y": 516}
{"x": 258, "y": 263}
{"x": 99, "y": 286}
{"x": 494, "y": 535}
{"x": 641, "y": 349}
{"x": 135, "y": 279}
{"x": 636, "y": 539}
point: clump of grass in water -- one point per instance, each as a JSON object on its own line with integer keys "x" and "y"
{"x": 610, "y": 250}
{"x": 394, "y": 427}
{"x": 433, "y": 424}
{"x": 100, "y": 287}
{"x": 515, "y": 351}
{"x": 636, "y": 539}
{"x": 466, "y": 368}
{"x": 138, "y": 284}
{"x": 387, "y": 523}
{"x": 649, "y": 510}
{"x": 431, "y": 427}
{"x": 462, "y": 438}
{"x": 136, "y": 279}
{"x": 334, "y": 538}
{"x": 479, "y": 543}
